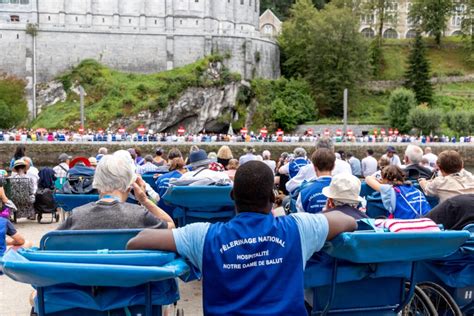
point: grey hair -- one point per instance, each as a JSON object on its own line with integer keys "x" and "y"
{"x": 414, "y": 154}
{"x": 115, "y": 172}
{"x": 325, "y": 143}
{"x": 266, "y": 154}
{"x": 299, "y": 152}
{"x": 103, "y": 151}
{"x": 341, "y": 203}
{"x": 149, "y": 158}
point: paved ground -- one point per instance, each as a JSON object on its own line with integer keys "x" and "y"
{"x": 14, "y": 296}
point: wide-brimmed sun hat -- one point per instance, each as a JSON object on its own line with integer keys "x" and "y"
{"x": 19, "y": 163}
{"x": 344, "y": 188}
{"x": 199, "y": 158}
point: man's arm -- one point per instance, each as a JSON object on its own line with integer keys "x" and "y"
{"x": 153, "y": 239}
{"x": 339, "y": 223}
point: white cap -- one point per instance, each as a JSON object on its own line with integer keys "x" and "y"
{"x": 344, "y": 188}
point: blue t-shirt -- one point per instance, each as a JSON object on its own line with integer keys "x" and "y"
{"x": 6, "y": 229}
{"x": 313, "y": 231}
{"x": 162, "y": 184}
{"x": 311, "y": 199}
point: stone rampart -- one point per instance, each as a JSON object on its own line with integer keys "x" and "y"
{"x": 46, "y": 154}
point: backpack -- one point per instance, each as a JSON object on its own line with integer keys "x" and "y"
{"x": 411, "y": 203}
{"x": 44, "y": 201}
{"x": 79, "y": 181}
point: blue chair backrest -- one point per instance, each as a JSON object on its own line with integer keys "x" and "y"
{"x": 375, "y": 207}
{"x": 199, "y": 197}
{"x": 85, "y": 240}
{"x": 366, "y": 190}
{"x": 70, "y": 201}
{"x": 469, "y": 228}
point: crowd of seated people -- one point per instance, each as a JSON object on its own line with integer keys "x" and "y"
{"x": 327, "y": 195}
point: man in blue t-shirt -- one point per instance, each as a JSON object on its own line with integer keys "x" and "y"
{"x": 249, "y": 263}
{"x": 9, "y": 236}
{"x": 311, "y": 199}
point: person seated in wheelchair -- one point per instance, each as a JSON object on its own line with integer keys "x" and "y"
{"x": 24, "y": 189}
{"x": 344, "y": 195}
{"x": 245, "y": 262}
{"x": 399, "y": 197}
{"x": 311, "y": 198}
{"x": 454, "y": 213}
{"x": 9, "y": 236}
{"x": 114, "y": 178}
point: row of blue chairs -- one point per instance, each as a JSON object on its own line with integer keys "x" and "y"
{"x": 360, "y": 273}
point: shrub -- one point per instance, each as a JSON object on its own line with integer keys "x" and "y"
{"x": 401, "y": 102}
{"x": 460, "y": 121}
{"x": 12, "y": 102}
{"x": 425, "y": 120}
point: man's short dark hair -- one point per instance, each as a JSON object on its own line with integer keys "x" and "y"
{"x": 450, "y": 161}
{"x": 324, "y": 159}
{"x": 253, "y": 187}
{"x": 370, "y": 152}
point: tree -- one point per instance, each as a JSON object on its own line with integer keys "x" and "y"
{"x": 432, "y": 16}
{"x": 459, "y": 122}
{"x": 376, "y": 57}
{"x": 294, "y": 37}
{"x": 418, "y": 76}
{"x": 401, "y": 102}
{"x": 12, "y": 102}
{"x": 467, "y": 27}
{"x": 425, "y": 120}
{"x": 326, "y": 48}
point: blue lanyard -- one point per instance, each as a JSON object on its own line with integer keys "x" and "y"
{"x": 112, "y": 197}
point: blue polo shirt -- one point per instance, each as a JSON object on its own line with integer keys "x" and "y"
{"x": 311, "y": 199}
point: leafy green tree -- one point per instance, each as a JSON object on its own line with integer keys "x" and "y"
{"x": 13, "y": 104}
{"x": 467, "y": 26}
{"x": 295, "y": 35}
{"x": 376, "y": 57}
{"x": 418, "y": 76}
{"x": 425, "y": 120}
{"x": 401, "y": 102}
{"x": 459, "y": 122}
{"x": 282, "y": 103}
{"x": 432, "y": 16}
{"x": 326, "y": 48}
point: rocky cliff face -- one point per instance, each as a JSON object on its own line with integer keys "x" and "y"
{"x": 197, "y": 109}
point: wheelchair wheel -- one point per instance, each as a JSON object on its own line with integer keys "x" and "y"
{"x": 441, "y": 299}
{"x": 420, "y": 305}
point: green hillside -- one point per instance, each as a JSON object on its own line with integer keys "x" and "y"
{"x": 447, "y": 60}
{"x": 113, "y": 94}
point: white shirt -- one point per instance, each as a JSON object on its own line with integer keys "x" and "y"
{"x": 394, "y": 161}
{"x": 369, "y": 166}
{"x": 271, "y": 164}
{"x": 308, "y": 173}
{"x": 60, "y": 171}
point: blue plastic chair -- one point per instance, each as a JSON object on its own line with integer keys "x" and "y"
{"x": 355, "y": 264}
{"x": 62, "y": 252}
{"x": 455, "y": 273}
{"x": 68, "y": 202}
{"x": 375, "y": 207}
{"x": 200, "y": 203}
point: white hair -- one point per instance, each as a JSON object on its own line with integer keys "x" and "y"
{"x": 414, "y": 154}
{"x": 115, "y": 172}
{"x": 103, "y": 151}
{"x": 266, "y": 154}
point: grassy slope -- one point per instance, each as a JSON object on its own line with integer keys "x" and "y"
{"x": 445, "y": 61}
{"x": 113, "y": 94}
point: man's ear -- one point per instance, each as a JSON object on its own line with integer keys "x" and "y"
{"x": 232, "y": 195}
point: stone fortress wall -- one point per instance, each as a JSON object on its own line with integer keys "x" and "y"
{"x": 132, "y": 35}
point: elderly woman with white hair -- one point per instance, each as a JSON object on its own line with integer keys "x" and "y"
{"x": 114, "y": 178}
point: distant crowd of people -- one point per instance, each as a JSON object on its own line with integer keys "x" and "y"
{"x": 249, "y": 137}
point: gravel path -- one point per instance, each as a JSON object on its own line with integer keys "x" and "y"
{"x": 14, "y": 296}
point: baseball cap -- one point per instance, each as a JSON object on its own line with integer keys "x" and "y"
{"x": 391, "y": 149}
{"x": 63, "y": 157}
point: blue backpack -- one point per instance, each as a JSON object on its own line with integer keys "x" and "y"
{"x": 411, "y": 203}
